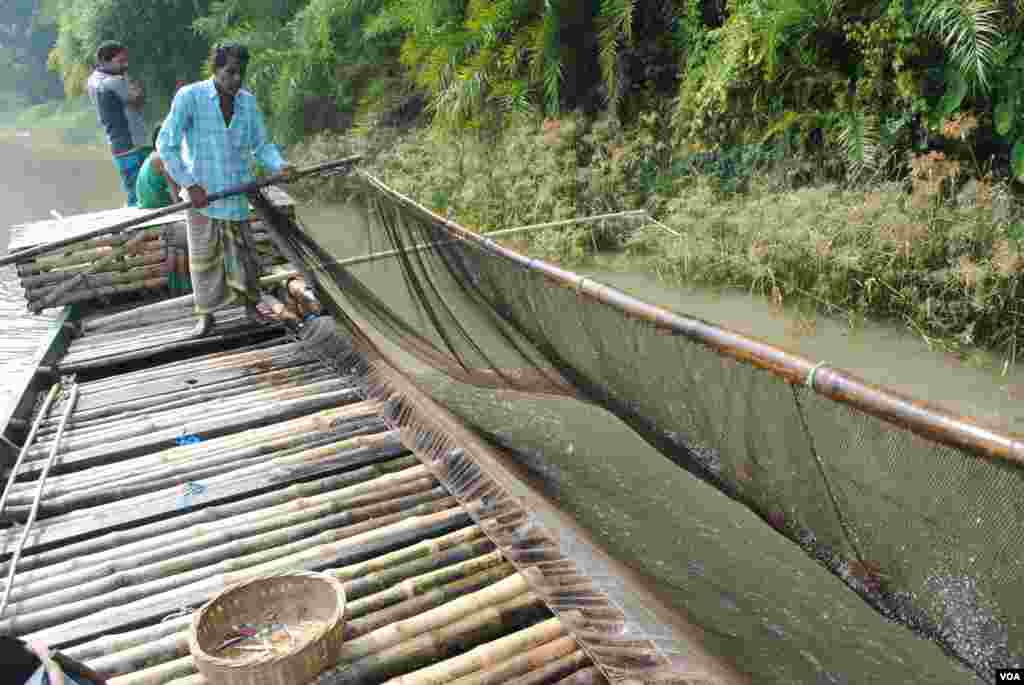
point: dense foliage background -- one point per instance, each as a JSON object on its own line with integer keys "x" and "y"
{"x": 870, "y": 78}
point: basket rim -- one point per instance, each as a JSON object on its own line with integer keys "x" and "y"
{"x": 338, "y": 616}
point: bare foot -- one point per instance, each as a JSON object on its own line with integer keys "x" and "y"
{"x": 203, "y": 326}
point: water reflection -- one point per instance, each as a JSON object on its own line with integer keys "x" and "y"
{"x": 37, "y": 176}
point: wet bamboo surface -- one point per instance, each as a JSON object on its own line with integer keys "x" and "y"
{"x": 294, "y": 468}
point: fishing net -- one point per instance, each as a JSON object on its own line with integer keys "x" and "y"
{"x": 809, "y": 541}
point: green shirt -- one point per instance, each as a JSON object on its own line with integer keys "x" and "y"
{"x": 151, "y": 187}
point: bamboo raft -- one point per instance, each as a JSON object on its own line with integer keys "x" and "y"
{"x": 173, "y": 468}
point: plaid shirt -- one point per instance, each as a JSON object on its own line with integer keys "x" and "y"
{"x": 216, "y": 156}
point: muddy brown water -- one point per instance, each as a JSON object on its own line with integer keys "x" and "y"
{"x": 759, "y": 600}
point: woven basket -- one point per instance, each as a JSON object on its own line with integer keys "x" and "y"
{"x": 288, "y": 598}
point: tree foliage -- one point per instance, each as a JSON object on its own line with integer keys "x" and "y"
{"x": 871, "y": 78}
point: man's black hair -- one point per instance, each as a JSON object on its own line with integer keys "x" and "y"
{"x": 156, "y": 134}
{"x": 222, "y": 51}
{"x": 107, "y": 50}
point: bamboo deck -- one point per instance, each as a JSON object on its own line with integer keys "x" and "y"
{"x": 186, "y": 466}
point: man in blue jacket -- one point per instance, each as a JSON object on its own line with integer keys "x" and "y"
{"x": 119, "y": 103}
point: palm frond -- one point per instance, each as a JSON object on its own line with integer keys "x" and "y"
{"x": 859, "y": 140}
{"x": 615, "y": 20}
{"x": 970, "y": 30}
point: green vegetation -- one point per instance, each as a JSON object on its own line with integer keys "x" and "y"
{"x": 863, "y": 155}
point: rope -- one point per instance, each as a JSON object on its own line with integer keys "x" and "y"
{"x": 810, "y": 374}
{"x": 72, "y": 401}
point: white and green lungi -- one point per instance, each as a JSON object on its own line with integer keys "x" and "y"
{"x": 221, "y": 262}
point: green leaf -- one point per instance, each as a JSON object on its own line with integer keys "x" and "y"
{"x": 956, "y": 89}
{"x": 1017, "y": 159}
{"x": 1015, "y": 232}
{"x": 1004, "y": 116}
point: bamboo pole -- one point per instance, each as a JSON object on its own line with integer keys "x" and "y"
{"x": 442, "y": 644}
{"x": 159, "y": 420}
{"x": 108, "y": 516}
{"x": 299, "y": 374}
{"x": 391, "y": 635}
{"x": 53, "y": 628}
{"x": 421, "y": 584}
{"x": 27, "y": 445}
{"x": 131, "y": 644}
{"x": 157, "y": 675}
{"x": 332, "y": 166}
{"x": 353, "y": 439}
{"x": 91, "y": 255}
{"x": 555, "y": 671}
{"x": 123, "y": 569}
{"x": 364, "y": 446}
{"x": 357, "y": 626}
{"x": 39, "y": 291}
{"x": 147, "y": 258}
{"x": 254, "y": 388}
{"x": 35, "y": 507}
{"x": 241, "y": 421}
{"x": 353, "y": 488}
{"x": 180, "y": 343}
{"x": 521, "y": 664}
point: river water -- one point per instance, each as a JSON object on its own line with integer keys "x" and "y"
{"x": 758, "y": 597}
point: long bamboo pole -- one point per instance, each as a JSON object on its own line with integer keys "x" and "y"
{"x": 554, "y": 671}
{"x": 521, "y": 664}
{"x": 51, "y": 396}
{"x": 35, "y": 505}
{"x": 22, "y": 255}
{"x": 447, "y": 644}
{"x": 838, "y": 385}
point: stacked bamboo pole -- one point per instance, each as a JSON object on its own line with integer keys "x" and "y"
{"x": 102, "y": 267}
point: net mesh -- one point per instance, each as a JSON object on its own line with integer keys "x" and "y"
{"x": 904, "y": 565}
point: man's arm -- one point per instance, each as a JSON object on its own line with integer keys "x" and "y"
{"x": 169, "y": 143}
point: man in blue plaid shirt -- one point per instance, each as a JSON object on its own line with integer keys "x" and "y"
{"x": 208, "y": 142}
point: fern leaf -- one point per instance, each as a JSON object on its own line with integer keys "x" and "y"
{"x": 970, "y": 30}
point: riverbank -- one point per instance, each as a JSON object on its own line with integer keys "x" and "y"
{"x": 938, "y": 254}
